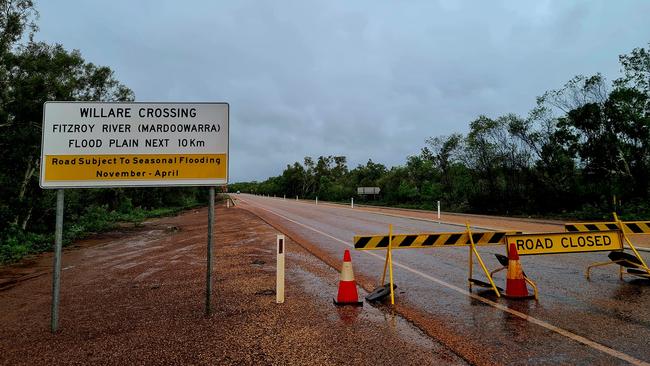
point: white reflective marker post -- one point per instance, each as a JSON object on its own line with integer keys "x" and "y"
{"x": 352, "y": 202}
{"x": 438, "y": 210}
{"x": 279, "y": 278}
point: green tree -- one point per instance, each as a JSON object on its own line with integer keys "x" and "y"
{"x": 39, "y": 72}
{"x": 636, "y": 70}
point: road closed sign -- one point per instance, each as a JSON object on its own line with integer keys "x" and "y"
{"x": 90, "y": 144}
{"x": 555, "y": 243}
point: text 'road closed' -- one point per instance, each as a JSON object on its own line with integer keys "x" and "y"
{"x": 550, "y": 243}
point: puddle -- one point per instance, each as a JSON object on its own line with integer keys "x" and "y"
{"x": 378, "y": 314}
{"x": 348, "y": 314}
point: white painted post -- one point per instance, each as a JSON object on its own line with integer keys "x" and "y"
{"x": 279, "y": 278}
{"x": 296, "y": 198}
{"x": 352, "y": 202}
{"x": 316, "y": 200}
{"x": 284, "y": 197}
{"x": 438, "y": 210}
{"x": 227, "y": 203}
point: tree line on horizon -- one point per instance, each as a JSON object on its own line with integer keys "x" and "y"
{"x": 583, "y": 151}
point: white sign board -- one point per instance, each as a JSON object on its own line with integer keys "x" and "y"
{"x": 368, "y": 190}
{"x": 92, "y": 144}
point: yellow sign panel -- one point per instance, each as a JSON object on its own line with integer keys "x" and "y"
{"x": 135, "y": 167}
{"x": 554, "y": 243}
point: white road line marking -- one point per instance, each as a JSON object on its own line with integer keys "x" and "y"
{"x": 578, "y": 338}
{"x": 431, "y": 221}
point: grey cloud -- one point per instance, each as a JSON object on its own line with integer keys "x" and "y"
{"x": 364, "y": 79}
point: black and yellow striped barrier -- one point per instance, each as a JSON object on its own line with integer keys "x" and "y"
{"x": 580, "y": 237}
{"x": 636, "y": 264}
{"x": 629, "y": 227}
{"x": 467, "y": 238}
{"x": 428, "y": 240}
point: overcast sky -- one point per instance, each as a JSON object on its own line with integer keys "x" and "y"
{"x": 364, "y": 79}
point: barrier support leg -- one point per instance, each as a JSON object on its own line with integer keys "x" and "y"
{"x": 497, "y": 270}
{"x": 480, "y": 261}
{"x": 600, "y": 264}
{"x": 629, "y": 243}
{"x": 620, "y": 273}
{"x": 383, "y": 275}
{"x": 471, "y": 261}
{"x": 533, "y": 285}
{"x": 390, "y": 260}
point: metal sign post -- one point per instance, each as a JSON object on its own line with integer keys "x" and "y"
{"x": 208, "y": 275}
{"x": 56, "y": 276}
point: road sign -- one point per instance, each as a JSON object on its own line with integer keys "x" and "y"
{"x": 554, "y": 243}
{"x": 630, "y": 227}
{"x": 427, "y": 240}
{"x": 368, "y": 190}
{"x": 91, "y": 144}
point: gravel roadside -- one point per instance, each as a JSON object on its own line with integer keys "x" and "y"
{"x": 136, "y": 297}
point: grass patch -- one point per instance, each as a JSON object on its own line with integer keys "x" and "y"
{"x": 16, "y": 243}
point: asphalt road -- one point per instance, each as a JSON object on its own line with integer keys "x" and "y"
{"x": 602, "y": 321}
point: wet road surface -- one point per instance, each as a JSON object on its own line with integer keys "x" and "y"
{"x": 602, "y": 321}
{"x": 136, "y": 297}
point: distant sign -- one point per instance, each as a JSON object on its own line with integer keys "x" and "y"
{"x": 91, "y": 144}
{"x": 368, "y": 190}
{"x": 554, "y": 243}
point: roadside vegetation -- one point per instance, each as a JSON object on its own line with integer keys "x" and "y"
{"x": 32, "y": 73}
{"x": 582, "y": 152}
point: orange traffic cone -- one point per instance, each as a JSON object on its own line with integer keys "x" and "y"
{"x": 347, "y": 286}
{"x": 515, "y": 282}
